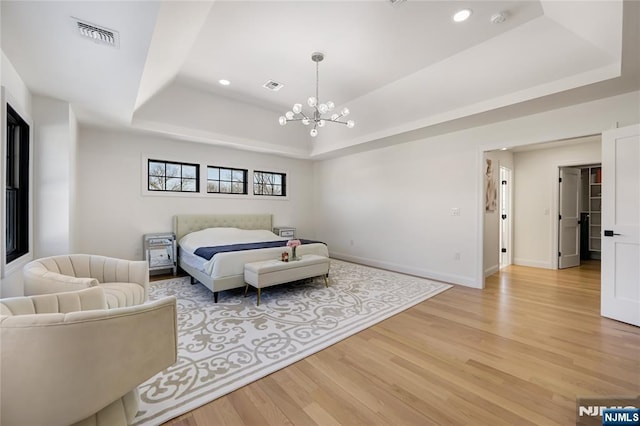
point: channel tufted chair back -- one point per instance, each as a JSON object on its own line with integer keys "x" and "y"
{"x": 125, "y": 282}
{"x": 68, "y": 360}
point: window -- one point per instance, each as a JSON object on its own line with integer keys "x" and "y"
{"x": 224, "y": 180}
{"x": 269, "y": 183}
{"x": 17, "y": 186}
{"x": 173, "y": 177}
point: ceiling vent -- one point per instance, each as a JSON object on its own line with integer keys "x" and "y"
{"x": 396, "y": 1}
{"x": 96, "y": 33}
{"x": 273, "y": 85}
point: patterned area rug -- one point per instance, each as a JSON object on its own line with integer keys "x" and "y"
{"x": 224, "y": 346}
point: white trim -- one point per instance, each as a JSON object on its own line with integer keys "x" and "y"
{"x": 491, "y": 270}
{"x": 7, "y": 269}
{"x": 509, "y": 239}
{"x": 418, "y": 272}
{"x": 533, "y": 263}
{"x": 555, "y": 204}
{"x": 3, "y": 182}
{"x": 480, "y": 209}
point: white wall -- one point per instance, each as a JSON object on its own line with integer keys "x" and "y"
{"x": 113, "y": 213}
{"x": 536, "y": 199}
{"x": 14, "y": 92}
{"x": 392, "y": 207}
{"x": 54, "y": 158}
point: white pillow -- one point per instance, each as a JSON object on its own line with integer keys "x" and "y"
{"x": 212, "y": 237}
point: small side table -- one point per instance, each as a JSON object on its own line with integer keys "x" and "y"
{"x": 285, "y": 231}
{"x": 160, "y": 251}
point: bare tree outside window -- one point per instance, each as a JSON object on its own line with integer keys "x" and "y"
{"x": 224, "y": 180}
{"x": 269, "y": 183}
{"x": 173, "y": 177}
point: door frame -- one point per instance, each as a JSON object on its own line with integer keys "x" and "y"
{"x": 509, "y": 210}
{"x": 555, "y": 207}
{"x": 578, "y": 194}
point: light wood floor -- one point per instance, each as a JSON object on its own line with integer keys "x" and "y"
{"x": 517, "y": 353}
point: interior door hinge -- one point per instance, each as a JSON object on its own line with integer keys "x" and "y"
{"x": 560, "y": 180}
{"x": 559, "y": 217}
{"x": 559, "y": 254}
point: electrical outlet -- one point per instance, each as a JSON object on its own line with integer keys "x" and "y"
{"x": 455, "y": 211}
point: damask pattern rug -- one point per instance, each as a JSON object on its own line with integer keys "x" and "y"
{"x": 224, "y": 346}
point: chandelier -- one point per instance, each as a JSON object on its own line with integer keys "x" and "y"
{"x": 315, "y": 116}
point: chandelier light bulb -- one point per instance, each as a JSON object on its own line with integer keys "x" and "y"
{"x": 350, "y": 124}
{"x": 313, "y": 132}
{"x": 289, "y": 115}
{"x": 330, "y": 106}
{"x": 323, "y": 108}
{"x": 297, "y": 108}
{"x": 282, "y": 120}
{"x": 345, "y": 111}
{"x": 321, "y": 123}
{"x": 312, "y": 101}
{"x": 306, "y": 121}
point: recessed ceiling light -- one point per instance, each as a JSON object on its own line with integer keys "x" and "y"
{"x": 224, "y": 82}
{"x": 462, "y": 15}
{"x": 504, "y": 149}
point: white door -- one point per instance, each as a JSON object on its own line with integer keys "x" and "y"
{"x": 568, "y": 227}
{"x": 505, "y": 216}
{"x": 620, "y": 294}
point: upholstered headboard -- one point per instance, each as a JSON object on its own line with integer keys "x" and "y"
{"x": 186, "y": 223}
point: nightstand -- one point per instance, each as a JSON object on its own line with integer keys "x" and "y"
{"x": 160, "y": 251}
{"x": 285, "y": 231}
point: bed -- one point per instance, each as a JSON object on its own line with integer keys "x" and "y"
{"x": 225, "y": 271}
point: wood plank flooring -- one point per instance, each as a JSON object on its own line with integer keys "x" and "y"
{"x": 518, "y": 352}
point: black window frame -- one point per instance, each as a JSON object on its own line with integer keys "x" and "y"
{"x": 244, "y": 182}
{"x": 263, "y": 185}
{"x": 182, "y": 179}
{"x": 17, "y": 186}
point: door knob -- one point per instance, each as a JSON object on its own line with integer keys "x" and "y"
{"x": 609, "y": 233}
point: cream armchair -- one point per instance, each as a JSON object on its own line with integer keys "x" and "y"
{"x": 65, "y": 359}
{"x": 125, "y": 282}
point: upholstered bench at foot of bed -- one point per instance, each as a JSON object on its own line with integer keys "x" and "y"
{"x": 273, "y": 272}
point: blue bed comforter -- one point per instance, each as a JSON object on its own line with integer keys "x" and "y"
{"x": 209, "y": 252}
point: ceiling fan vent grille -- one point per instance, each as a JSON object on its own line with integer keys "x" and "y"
{"x": 273, "y": 85}
{"x": 97, "y": 34}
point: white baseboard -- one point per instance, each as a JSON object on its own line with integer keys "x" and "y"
{"x": 532, "y": 263}
{"x": 419, "y": 272}
{"x": 491, "y": 270}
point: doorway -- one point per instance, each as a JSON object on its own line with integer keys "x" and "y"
{"x": 579, "y": 220}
